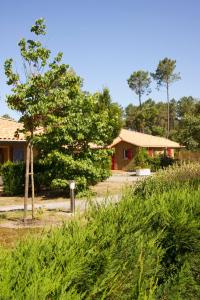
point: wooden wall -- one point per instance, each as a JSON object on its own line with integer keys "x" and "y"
{"x": 188, "y": 155}
{"x": 120, "y": 162}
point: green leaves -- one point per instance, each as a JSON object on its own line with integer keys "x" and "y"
{"x": 164, "y": 73}
{"x": 143, "y": 247}
{"x": 51, "y": 97}
{"x": 39, "y": 28}
{"x": 139, "y": 82}
{"x": 13, "y": 78}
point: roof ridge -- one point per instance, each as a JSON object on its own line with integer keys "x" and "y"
{"x": 12, "y": 120}
{"x": 156, "y": 136}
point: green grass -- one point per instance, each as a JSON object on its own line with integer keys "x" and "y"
{"x": 145, "y": 247}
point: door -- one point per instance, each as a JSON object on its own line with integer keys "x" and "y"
{"x": 113, "y": 162}
{"x": 1, "y": 156}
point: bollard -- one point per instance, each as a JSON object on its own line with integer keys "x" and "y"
{"x": 72, "y": 197}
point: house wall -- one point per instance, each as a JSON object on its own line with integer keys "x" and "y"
{"x": 120, "y": 163}
{"x": 12, "y": 151}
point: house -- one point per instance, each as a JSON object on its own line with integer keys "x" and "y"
{"x": 127, "y": 144}
{"x": 12, "y": 144}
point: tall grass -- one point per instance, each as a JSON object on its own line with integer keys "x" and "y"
{"x": 172, "y": 177}
{"x": 141, "y": 248}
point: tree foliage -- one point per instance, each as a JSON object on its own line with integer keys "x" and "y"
{"x": 139, "y": 82}
{"x": 164, "y": 76}
{"x": 184, "y": 120}
{"x": 51, "y": 97}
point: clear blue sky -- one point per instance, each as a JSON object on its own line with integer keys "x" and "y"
{"x": 106, "y": 40}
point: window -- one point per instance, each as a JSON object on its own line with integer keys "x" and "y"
{"x": 128, "y": 154}
{"x": 18, "y": 154}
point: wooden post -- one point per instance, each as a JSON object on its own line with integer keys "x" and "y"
{"x": 32, "y": 181}
{"x": 26, "y": 180}
{"x": 72, "y": 198}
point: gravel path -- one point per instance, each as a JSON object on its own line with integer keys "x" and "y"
{"x": 80, "y": 203}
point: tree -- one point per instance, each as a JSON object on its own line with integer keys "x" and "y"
{"x": 188, "y": 112}
{"x": 51, "y": 98}
{"x": 164, "y": 75}
{"x": 186, "y": 106}
{"x": 146, "y": 118}
{"x": 89, "y": 121}
{"x": 34, "y": 94}
{"x": 189, "y": 132}
{"x": 139, "y": 82}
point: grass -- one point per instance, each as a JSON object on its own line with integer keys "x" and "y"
{"x": 9, "y": 237}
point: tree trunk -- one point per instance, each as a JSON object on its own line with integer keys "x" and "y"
{"x": 168, "y": 126}
{"x": 140, "y": 100}
{"x": 32, "y": 181}
{"x": 26, "y": 179}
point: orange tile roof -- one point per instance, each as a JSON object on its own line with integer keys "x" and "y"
{"x": 8, "y": 130}
{"x": 144, "y": 140}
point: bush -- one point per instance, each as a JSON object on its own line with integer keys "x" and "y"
{"x": 13, "y": 178}
{"x": 13, "y": 175}
{"x": 140, "y": 248}
{"x": 143, "y": 160}
{"x": 87, "y": 169}
{"x": 174, "y": 176}
{"x": 57, "y": 170}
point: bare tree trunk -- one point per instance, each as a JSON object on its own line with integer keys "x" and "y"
{"x": 140, "y": 99}
{"x": 26, "y": 180}
{"x": 168, "y": 126}
{"x": 32, "y": 181}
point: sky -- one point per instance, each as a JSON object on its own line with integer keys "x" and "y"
{"x": 104, "y": 41}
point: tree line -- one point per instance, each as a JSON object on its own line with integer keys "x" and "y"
{"x": 183, "y": 121}
{"x": 164, "y": 75}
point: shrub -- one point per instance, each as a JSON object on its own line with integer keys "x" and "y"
{"x": 174, "y": 176}
{"x": 57, "y": 170}
{"x": 13, "y": 178}
{"x": 166, "y": 161}
{"x": 141, "y": 159}
{"x": 140, "y": 248}
{"x": 13, "y": 175}
{"x": 133, "y": 250}
{"x": 86, "y": 169}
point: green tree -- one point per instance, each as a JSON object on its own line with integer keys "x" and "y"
{"x": 43, "y": 89}
{"x": 186, "y": 106}
{"x": 189, "y": 132}
{"x": 72, "y": 120}
{"x": 139, "y": 82}
{"x": 165, "y": 76}
{"x": 89, "y": 121}
{"x": 146, "y": 118}
{"x": 188, "y": 113}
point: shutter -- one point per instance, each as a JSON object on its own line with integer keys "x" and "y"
{"x": 169, "y": 152}
{"x": 150, "y": 152}
{"x": 130, "y": 154}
